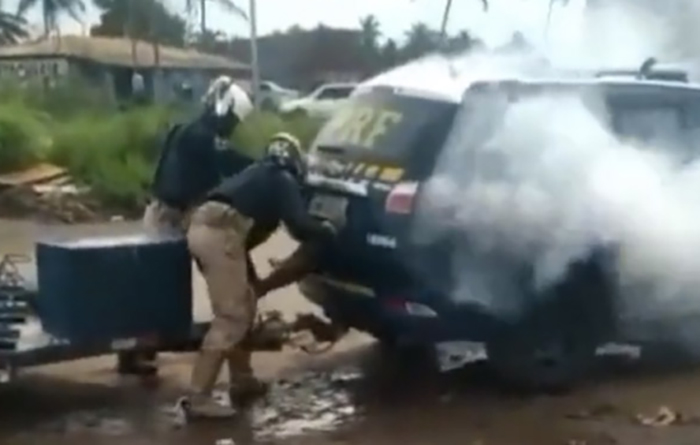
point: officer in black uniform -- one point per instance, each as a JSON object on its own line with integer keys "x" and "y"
{"x": 194, "y": 159}
{"x": 237, "y": 215}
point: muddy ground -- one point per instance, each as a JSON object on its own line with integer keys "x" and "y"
{"x": 353, "y": 395}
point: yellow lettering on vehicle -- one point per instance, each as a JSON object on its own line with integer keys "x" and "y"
{"x": 381, "y": 125}
{"x": 362, "y": 126}
{"x": 356, "y": 126}
{"x": 371, "y": 171}
{"x": 391, "y": 174}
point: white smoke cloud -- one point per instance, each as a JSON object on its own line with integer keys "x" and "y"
{"x": 552, "y": 183}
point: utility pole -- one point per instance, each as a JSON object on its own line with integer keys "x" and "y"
{"x": 254, "y": 52}
{"x": 548, "y": 22}
{"x": 443, "y": 27}
{"x": 203, "y": 17}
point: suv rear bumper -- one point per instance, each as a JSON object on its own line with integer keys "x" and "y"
{"x": 399, "y": 318}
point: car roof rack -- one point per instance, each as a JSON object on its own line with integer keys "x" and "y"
{"x": 647, "y": 71}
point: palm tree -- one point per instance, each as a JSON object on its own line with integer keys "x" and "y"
{"x": 51, "y": 9}
{"x": 369, "y": 42}
{"x": 370, "y": 31}
{"x": 446, "y": 15}
{"x": 420, "y": 40}
{"x": 12, "y": 27}
{"x": 550, "y": 9}
{"x": 230, "y": 5}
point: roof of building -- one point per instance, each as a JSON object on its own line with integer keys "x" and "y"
{"x": 119, "y": 51}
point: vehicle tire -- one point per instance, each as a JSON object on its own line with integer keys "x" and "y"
{"x": 407, "y": 360}
{"x": 137, "y": 363}
{"x": 553, "y": 361}
{"x": 554, "y": 345}
{"x": 408, "y": 357}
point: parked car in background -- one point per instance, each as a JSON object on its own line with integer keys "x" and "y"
{"x": 320, "y": 103}
{"x": 273, "y": 95}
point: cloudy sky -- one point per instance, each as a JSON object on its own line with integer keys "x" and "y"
{"x": 395, "y": 16}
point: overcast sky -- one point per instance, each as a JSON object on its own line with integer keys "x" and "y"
{"x": 395, "y": 16}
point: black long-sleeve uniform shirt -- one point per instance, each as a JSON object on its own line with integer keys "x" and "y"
{"x": 191, "y": 164}
{"x": 269, "y": 195}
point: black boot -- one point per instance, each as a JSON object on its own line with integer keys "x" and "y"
{"x": 140, "y": 363}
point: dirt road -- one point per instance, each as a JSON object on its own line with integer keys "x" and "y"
{"x": 354, "y": 395}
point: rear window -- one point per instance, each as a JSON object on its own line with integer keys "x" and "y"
{"x": 383, "y": 127}
{"x": 650, "y": 118}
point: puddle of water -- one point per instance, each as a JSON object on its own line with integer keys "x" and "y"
{"x": 312, "y": 402}
{"x": 100, "y": 423}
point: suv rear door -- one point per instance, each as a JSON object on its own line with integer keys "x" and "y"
{"x": 366, "y": 164}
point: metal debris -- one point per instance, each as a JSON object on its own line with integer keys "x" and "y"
{"x": 664, "y": 417}
{"x": 46, "y": 190}
{"x": 177, "y": 414}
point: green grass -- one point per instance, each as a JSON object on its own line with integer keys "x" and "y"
{"x": 24, "y": 136}
{"x": 113, "y": 152}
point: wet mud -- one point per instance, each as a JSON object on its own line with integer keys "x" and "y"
{"x": 362, "y": 396}
{"x": 359, "y": 393}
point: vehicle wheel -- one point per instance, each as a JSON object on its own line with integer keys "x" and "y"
{"x": 548, "y": 361}
{"x": 554, "y": 346}
{"x": 408, "y": 358}
{"x": 140, "y": 363}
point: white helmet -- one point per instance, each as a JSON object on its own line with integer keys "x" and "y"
{"x": 225, "y": 96}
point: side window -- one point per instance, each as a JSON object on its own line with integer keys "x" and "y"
{"x": 335, "y": 93}
{"x": 655, "y": 126}
{"x": 693, "y": 116}
{"x": 325, "y": 93}
{"x": 265, "y": 87}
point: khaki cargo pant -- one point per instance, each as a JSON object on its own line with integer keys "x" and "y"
{"x": 216, "y": 237}
{"x": 162, "y": 219}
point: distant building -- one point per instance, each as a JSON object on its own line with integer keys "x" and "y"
{"x": 114, "y": 63}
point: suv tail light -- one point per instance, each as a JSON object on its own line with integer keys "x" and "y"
{"x": 401, "y": 198}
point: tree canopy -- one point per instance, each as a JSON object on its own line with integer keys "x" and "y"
{"x": 12, "y": 28}
{"x": 140, "y": 19}
{"x": 52, "y": 9}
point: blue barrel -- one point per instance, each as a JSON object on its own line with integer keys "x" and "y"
{"x": 97, "y": 289}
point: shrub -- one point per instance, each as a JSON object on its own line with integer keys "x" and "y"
{"x": 63, "y": 100}
{"x": 112, "y": 152}
{"x": 113, "y": 155}
{"x": 252, "y": 137}
{"x": 24, "y": 138}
